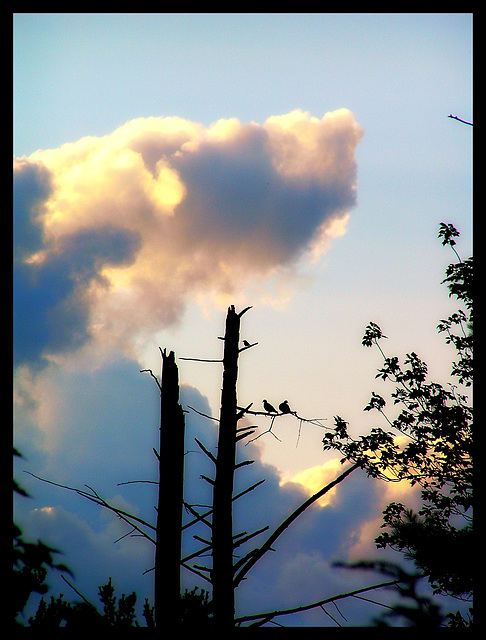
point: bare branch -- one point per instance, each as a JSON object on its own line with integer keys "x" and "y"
{"x": 242, "y": 412}
{"x": 332, "y": 617}
{"x": 314, "y": 421}
{"x": 199, "y": 518}
{"x": 386, "y": 606}
{"x": 203, "y": 568}
{"x": 244, "y": 311}
{"x": 248, "y": 537}
{"x": 247, "y": 346}
{"x": 199, "y": 359}
{"x": 244, "y": 463}
{"x": 460, "y": 119}
{"x": 80, "y": 595}
{"x": 202, "y": 414}
{"x": 153, "y": 376}
{"x": 253, "y": 486}
{"x": 94, "y": 497}
{"x": 123, "y": 515}
{"x": 272, "y": 614}
{"x": 198, "y": 573}
{"x": 119, "y": 484}
{"x": 240, "y": 436}
{"x": 208, "y": 453}
{"x": 125, "y": 535}
{"x": 196, "y": 554}
{"x": 269, "y": 430}
{"x": 286, "y": 523}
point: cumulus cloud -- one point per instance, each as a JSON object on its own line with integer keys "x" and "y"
{"x": 115, "y": 234}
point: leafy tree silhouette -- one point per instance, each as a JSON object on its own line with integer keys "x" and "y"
{"x": 436, "y": 424}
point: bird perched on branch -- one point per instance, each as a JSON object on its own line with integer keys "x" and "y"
{"x": 284, "y": 407}
{"x": 268, "y": 407}
{"x": 246, "y": 343}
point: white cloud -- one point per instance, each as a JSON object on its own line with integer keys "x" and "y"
{"x": 123, "y": 230}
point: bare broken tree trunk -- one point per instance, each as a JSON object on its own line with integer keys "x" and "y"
{"x": 170, "y": 501}
{"x": 222, "y": 534}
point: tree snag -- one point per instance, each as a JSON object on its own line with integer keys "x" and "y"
{"x": 170, "y": 500}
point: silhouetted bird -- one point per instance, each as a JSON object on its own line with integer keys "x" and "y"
{"x": 268, "y": 407}
{"x": 246, "y": 343}
{"x": 284, "y": 407}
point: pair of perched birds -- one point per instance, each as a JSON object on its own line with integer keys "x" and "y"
{"x": 283, "y": 406}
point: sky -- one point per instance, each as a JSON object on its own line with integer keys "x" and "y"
{"x": 167, "y": 166}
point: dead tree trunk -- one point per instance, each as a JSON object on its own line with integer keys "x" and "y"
{"x": 169, "y": 512}
{"x": 222, "y": 534}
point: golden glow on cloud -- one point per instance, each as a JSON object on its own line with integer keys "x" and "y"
{"x": 193, "y": 212}
{"x": 328, "y": 231}
{"x": 47, "y": 510}
{"x": 316, "y": 478}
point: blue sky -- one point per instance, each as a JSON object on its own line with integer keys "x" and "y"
{"x": 116, "y": 254}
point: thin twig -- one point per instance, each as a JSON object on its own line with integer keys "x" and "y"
{"x": 202, "y": 414}
{"x": 374, "y": 602}
{"x": 247, "y": 346}
{"x": 460, "y": 119}
{"x": 198, "y": 573}
{"x": 123, "y": 515}
{"x": 332, "y": 617}
{"x": 249, "y": 536}
{"x": 244, "y": 311}
{"x": 124, "y": 536}
{"x": 208, "y": 453}
{"x": 80, "y": 595}
{"x": 153, "y": 376}
{"x": 196, "y": 514}
{"x": 262, "y": 434}
{"x": 200, "y": 360}
{"x": 98, "y": 500}
{"x": 342, "y": 616}
{"x": 137, "y": 482}
{"x": 196, "y": 554}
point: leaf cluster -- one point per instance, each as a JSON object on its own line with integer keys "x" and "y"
{"x": 31, "y": 561}
{"x": 433, "y": 543}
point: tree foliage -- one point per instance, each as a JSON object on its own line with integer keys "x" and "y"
{"x": 429, "y": 444}
{"x": 118, "y": 613}
{"x": 31, "y": 562}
